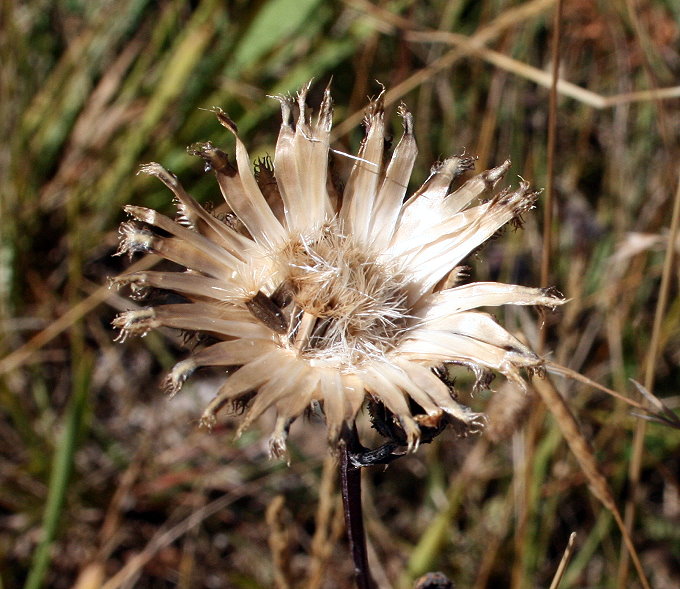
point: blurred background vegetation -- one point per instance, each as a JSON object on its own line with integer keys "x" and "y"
{"x": 106, "y": 483}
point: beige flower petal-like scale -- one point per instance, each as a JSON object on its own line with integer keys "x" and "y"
{"x": 314, "y": 295}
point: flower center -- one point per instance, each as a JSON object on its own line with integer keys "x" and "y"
{"x": 345, "y": 306}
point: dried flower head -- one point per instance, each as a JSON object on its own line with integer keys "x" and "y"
{"x": 317, "y": 296}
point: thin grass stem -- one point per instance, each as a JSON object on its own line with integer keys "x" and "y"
{"x": 59, "y": 477}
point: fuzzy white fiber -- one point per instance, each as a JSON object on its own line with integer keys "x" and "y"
{"x": 318, "y": 295}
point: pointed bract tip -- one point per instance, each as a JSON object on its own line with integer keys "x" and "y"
{"x": 325, "y": 117}
{"x": 224, "y": 119}
{"x": 208, "y": 422}
{"x": 407, "y": 118}
{"x": 277, "y": 448}
{"x": 178, "y": 375}
{"x": 150, "y": 168}
{"x": 158, "y": 171}
{"x": 215, "y": 158}
{"x": 492, "y": 176}
{"x": 375, "y": 108}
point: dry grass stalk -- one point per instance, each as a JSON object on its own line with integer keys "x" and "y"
{"x": 566, "y": 557}
{"x": 474, "y": 45}
{"x": 583, "y": 453}
{"x": 279, "y": 542}
{"x": 650, "y": 371}
{"x": 507, "y": 19}
{"x": 23, "y": 355}
{"x": 325, "y": 534}
{"x": 165, "y": 536}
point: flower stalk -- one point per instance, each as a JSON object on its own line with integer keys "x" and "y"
{"x": 350, "y": 485}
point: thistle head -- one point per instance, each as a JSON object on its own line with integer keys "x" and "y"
{"x": 334, "y": 297}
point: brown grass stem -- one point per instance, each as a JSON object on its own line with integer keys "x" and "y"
{"x": 566, "y": 557}
{"x": 554, "y": 368}
{"x": 550, "y": 171}
{"x": 635, "y": 465}
{"x": 650, "y": 365}
{"x": 467, "y": 46}
{"x": 22, "y": 355}
{"x": 535, "y": 422}
{"x": 583, "y": 453}
{"x": 279, "y": 542}
{"x": 167, "y": 535}
{"x": 324, "y": 534}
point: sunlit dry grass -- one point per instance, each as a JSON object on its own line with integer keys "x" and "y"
{"x": 105, "y": 481}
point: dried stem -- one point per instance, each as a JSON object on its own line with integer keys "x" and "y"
{"x": 566, "y": 557}
{"x": 350, "y": 479}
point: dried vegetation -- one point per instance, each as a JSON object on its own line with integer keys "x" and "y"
{"x": 106, "y": 483}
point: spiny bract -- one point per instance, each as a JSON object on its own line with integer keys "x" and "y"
{"x": 315, "y": 295}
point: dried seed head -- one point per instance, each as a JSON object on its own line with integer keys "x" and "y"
{"x": 322, "y": 298}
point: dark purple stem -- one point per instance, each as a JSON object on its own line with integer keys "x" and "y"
{"x": 350, "y": 477}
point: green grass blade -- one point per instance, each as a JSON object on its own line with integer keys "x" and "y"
{"x": 60, "y": 475}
